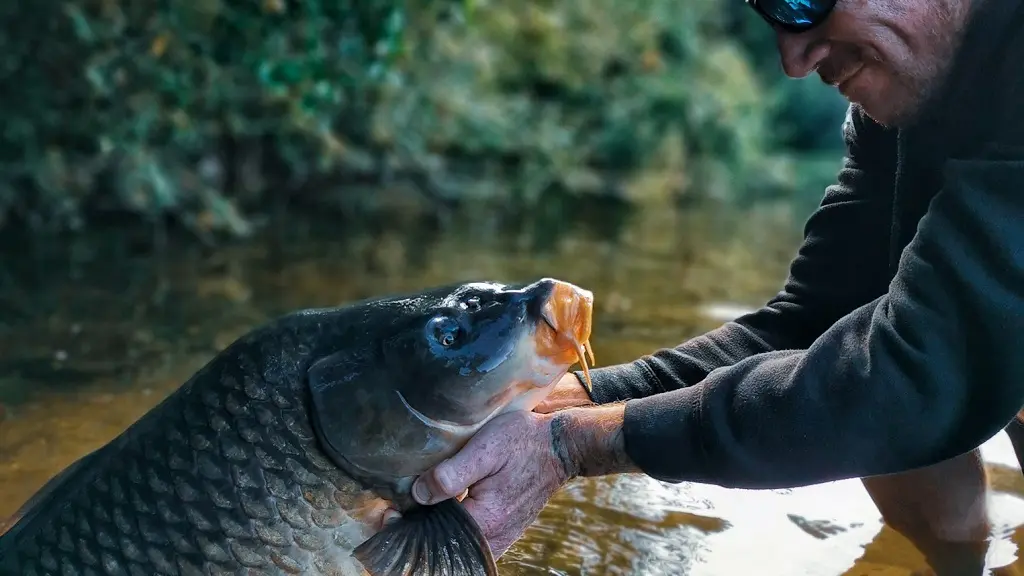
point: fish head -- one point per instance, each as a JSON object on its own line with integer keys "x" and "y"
{"x": 488, "y": 348}
{"x": 428, "y": 370}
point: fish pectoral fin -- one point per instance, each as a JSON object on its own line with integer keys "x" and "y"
{"x": 439, "y": 540}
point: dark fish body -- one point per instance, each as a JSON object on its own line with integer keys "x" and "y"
{"x": 274, "y": 457}
{"x": 224, "y": 474}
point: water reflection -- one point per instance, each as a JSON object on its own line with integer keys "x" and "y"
{"x": 93, "y": 333}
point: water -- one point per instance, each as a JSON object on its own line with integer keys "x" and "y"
{"x": 96, "y": 332}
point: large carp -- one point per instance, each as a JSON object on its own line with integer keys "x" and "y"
{"x": 279, "y": 455}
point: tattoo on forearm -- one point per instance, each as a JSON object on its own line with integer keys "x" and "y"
{"x": 593, "y": 448}
{"x": 559, "y": 443}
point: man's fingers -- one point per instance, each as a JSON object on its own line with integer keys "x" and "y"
{"x": 454, "y": 476}
{"x": 568, "y": 393}
{"x": 545, "y": 407}
{"x": 390, "y": 515}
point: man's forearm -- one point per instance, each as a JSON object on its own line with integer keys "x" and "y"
{"x": 926, "y": 373}
{"x": 837, "y": 269}
{"x": 589, "y": 441}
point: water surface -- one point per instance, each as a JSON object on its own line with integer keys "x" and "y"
{"x": 95, "y": 332}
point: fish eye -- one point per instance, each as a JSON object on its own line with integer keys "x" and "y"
{"x": 445, "y": 331}
{"x": 472, "y": 304}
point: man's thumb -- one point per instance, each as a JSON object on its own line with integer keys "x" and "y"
{"x": 454, "y": 476}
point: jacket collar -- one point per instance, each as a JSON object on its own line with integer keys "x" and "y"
{"x": 986, "y": 63}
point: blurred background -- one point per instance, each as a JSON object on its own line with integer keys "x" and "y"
{"x": 174, "y": 173}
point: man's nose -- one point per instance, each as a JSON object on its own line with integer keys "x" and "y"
{"x": 801, "y": 54}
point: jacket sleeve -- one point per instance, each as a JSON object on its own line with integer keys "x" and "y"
{"x": 842, "y": 264}
{"x": 930, "y": 370}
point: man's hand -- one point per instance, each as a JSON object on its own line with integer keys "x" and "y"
{"x": 515, "y": 463}
{"x": 511, "y": 470}
{"x": 567, "y": 393}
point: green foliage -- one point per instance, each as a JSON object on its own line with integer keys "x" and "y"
{"x": 205, "y": 109}
{"x": 804, "y": 114}
{"x": 141, "y": 106}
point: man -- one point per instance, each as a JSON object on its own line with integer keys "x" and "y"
{"x": 897, "y": 343}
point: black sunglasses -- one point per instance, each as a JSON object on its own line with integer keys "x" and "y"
{"x": 793, "y": 16}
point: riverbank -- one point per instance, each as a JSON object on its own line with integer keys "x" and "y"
{"x": 212, "y": 116}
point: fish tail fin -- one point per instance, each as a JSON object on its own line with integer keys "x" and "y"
{"x": 438, "y": 540}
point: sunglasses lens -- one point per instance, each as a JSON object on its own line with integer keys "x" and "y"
{"x": 796, "y": 13}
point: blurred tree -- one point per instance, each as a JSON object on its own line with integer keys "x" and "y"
{"x": 206, "y": 110}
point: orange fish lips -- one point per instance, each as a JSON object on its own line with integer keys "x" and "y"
{"x": 564, "y": 335}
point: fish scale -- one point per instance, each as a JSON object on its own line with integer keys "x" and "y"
{"x": 231, "y": 480}
{"x": 274, "y": 457}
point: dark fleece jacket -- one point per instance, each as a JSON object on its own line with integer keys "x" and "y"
{"x": 898, "y": 339}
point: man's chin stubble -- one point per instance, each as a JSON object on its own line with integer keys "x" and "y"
{"x": 898, "y": 112}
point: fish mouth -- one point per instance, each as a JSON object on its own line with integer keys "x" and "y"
{"x": 564, "y": 334}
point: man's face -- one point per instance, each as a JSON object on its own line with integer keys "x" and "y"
{"x": 889, "y": 56}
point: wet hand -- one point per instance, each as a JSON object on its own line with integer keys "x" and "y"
{"x": 567, "y": 393}
{"x": 510, "y": 469}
